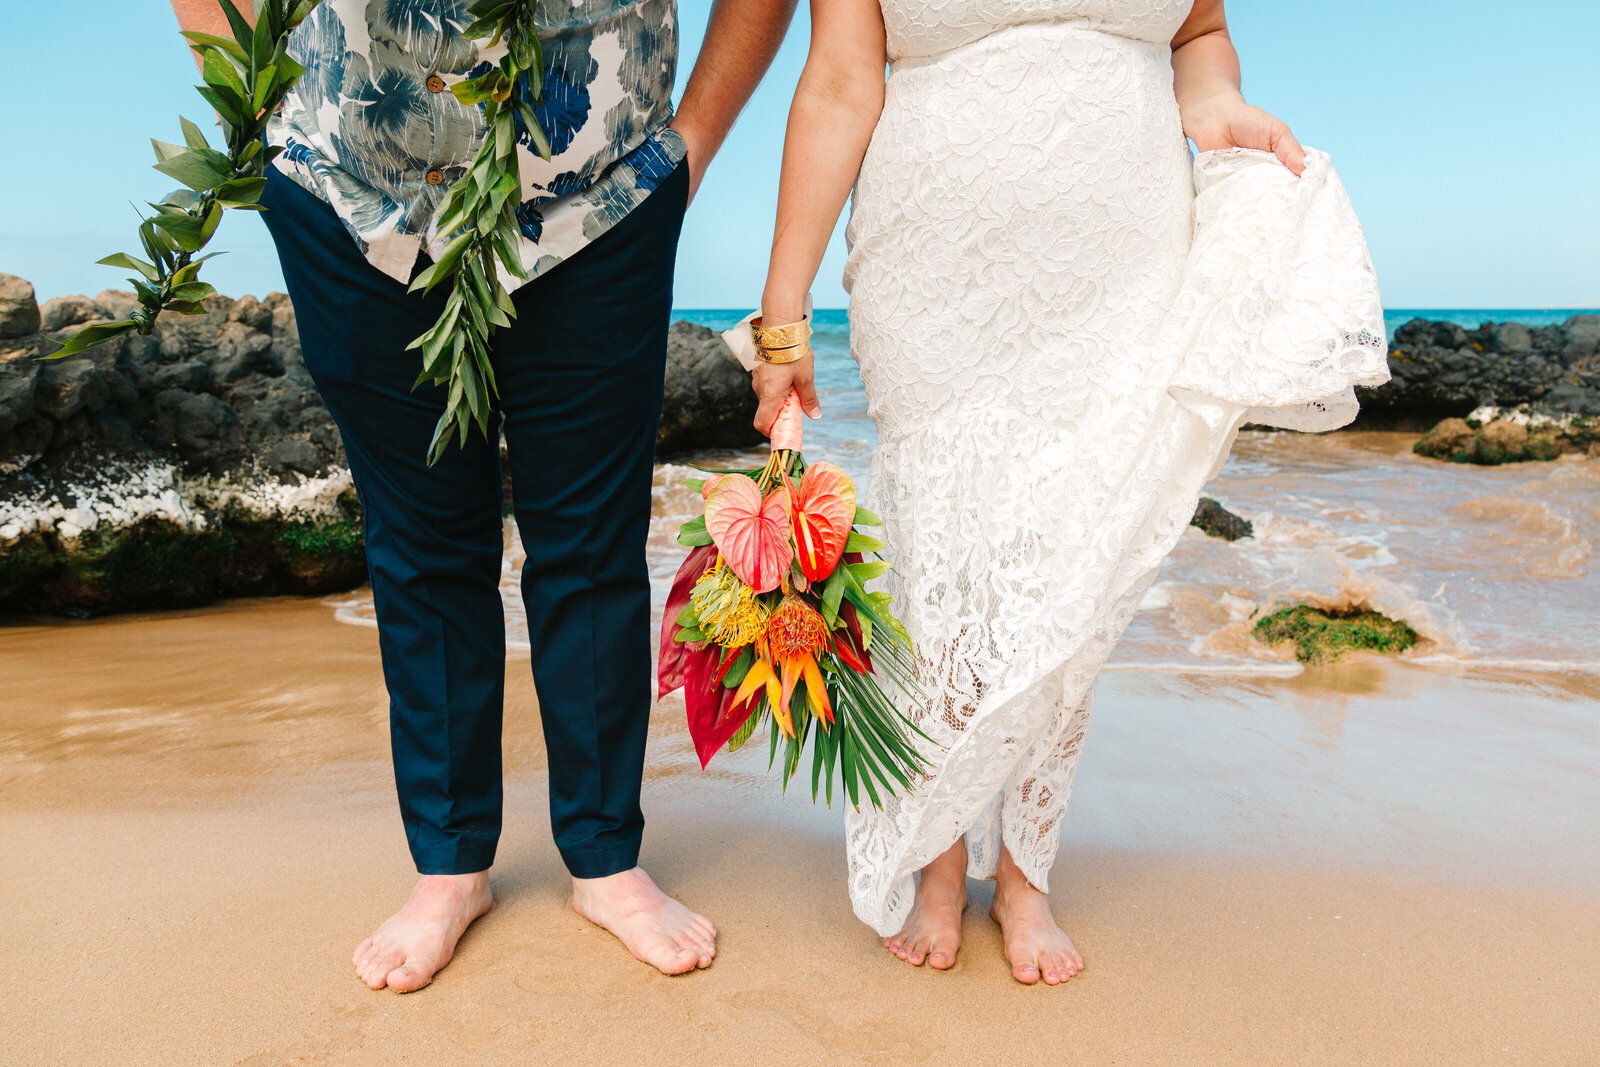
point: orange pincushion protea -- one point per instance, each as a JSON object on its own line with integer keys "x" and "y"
{"x": 796, "y": 632}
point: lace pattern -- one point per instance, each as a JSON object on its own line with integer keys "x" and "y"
{"x": 1054, "y": 379}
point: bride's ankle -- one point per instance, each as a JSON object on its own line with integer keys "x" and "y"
{"x": 945, "y": 877}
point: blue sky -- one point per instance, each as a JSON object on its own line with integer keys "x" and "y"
{"x": 1468, "y": 134}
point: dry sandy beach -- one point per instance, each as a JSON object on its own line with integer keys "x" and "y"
{"x": 1378, "y": 863}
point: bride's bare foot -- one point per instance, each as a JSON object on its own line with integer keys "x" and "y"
{"x": 419, "y": 939}
{"x": 1035, "y": 946}
{"x": 650, "y": 924}
{"x": 933, "y": 930}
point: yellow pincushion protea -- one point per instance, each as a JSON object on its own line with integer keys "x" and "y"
{"x": 729, "y": 613}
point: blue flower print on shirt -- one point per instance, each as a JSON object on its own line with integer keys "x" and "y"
{"x": 561, "y": 113}
{"x": 530, "y": 220}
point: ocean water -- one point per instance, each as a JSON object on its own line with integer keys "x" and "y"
{"x": 1494, "y": 567}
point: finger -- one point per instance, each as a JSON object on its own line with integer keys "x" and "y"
{"x": 767, "y": 414}
{"x": 1286, "y": 148}
{"x": 807, "y": 388}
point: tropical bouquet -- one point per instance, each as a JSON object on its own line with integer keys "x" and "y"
{"x": 769, "y": 620}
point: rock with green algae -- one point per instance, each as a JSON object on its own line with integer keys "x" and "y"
{"x": 141, "y": 537}
{"x": 159, "y": 563}
{"x": 1487, "y": 439}
{"x": 1217, "y": 521}
{"x": 1322, "y": 636}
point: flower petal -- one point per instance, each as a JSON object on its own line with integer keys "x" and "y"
{"x": 714, "y": 711}
{"x": 752, "y": 533}
{"x": 824, "y": 508}
{"x": 669, "y": 667}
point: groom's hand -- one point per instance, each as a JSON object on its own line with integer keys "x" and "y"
{"x": 772, "y": 382}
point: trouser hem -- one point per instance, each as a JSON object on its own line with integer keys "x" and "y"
{"x": 454, "y": 859}
{"x": 599, "y": 863}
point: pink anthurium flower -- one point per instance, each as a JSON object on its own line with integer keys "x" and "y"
{"x": 751, "y": 533}
{"x": 824, "y": 509}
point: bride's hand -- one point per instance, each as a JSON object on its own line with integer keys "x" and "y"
{"x": 1224, "y": 120}
{"x": 772, "y": 382}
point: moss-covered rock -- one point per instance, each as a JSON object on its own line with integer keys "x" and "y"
{"x": 1506, "y": 440}
{"x": 159, "y": 563}
{"x": 1217, "y": 521}
{"x": 1323, "y": 636}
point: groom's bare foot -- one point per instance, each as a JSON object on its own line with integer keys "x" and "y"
{"x": 1035, "y": 946}
{"x": 419, "y": 939}
{"x": 932, "y": 932}
{"x": 650, "y": 924}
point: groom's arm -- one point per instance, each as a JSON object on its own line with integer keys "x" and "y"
{"x": 741, "y": 39}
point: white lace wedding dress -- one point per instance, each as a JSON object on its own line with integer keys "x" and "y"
{"x": 1059, "y": 341}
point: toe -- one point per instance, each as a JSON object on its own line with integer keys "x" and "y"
{"x": 361, "y": 953}
{"x": 941, "y": 961}
{"x": 409, "y": 977}
{"x": 679, "y": 962}
{"x": 1026, "y": 973}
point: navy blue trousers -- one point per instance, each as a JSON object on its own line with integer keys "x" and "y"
{"x": 580, "y": 376}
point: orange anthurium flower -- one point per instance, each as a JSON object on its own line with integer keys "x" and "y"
{"x": 823, "y": 509}
{"x": 751, "y": 533}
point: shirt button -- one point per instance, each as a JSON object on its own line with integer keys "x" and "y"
{"x": 435, "y": 84}
{"x": 436, "y": 177}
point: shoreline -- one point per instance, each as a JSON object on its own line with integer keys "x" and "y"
{"x": 1376, "y": 857}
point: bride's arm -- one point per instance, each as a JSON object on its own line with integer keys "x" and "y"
{"x": 836, "y": 106}
{"x": 1205, "y": 76}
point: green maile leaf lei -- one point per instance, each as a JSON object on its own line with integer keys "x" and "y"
{"x": 246, "y": 78}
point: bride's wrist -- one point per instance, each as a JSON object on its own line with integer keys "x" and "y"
{"x": 778, "y": 308}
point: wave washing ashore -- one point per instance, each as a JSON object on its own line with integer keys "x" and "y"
{"x": 1492, "y": 566}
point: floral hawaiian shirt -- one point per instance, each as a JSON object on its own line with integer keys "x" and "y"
{"x": 373, "y": 129}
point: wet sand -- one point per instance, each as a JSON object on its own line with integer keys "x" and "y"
{"x": 1374, "y": 864}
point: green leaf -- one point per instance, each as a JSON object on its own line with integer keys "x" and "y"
{"x": 742, "y": 734}
{"x": 122, "y": 259}
{"x": 266, "y": 82}
{"x": 866, "y": 518}
{"x": 185, "y": 230}
{"x": 241, "y": 27}
{"x": 832, "y": 594}
{"x": 192, "y": 292}
{"x": 165, "y": 151}
{"x": 240, "y": 192}
{"x": 211, "y": 40}
{"x": 693, "y": 533}
{"x": 740, "y": 668}
{"x": 194, "y": 168}
{"x": 864, "y": 543}
{"x": 193, "y": 136}
{"x": 697, "y": 484}
{"x": 867, "y": 570}
{"x": 226, "y": 108}
{"x": 89, "y": 336}
{"x": 221, "y": 75}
